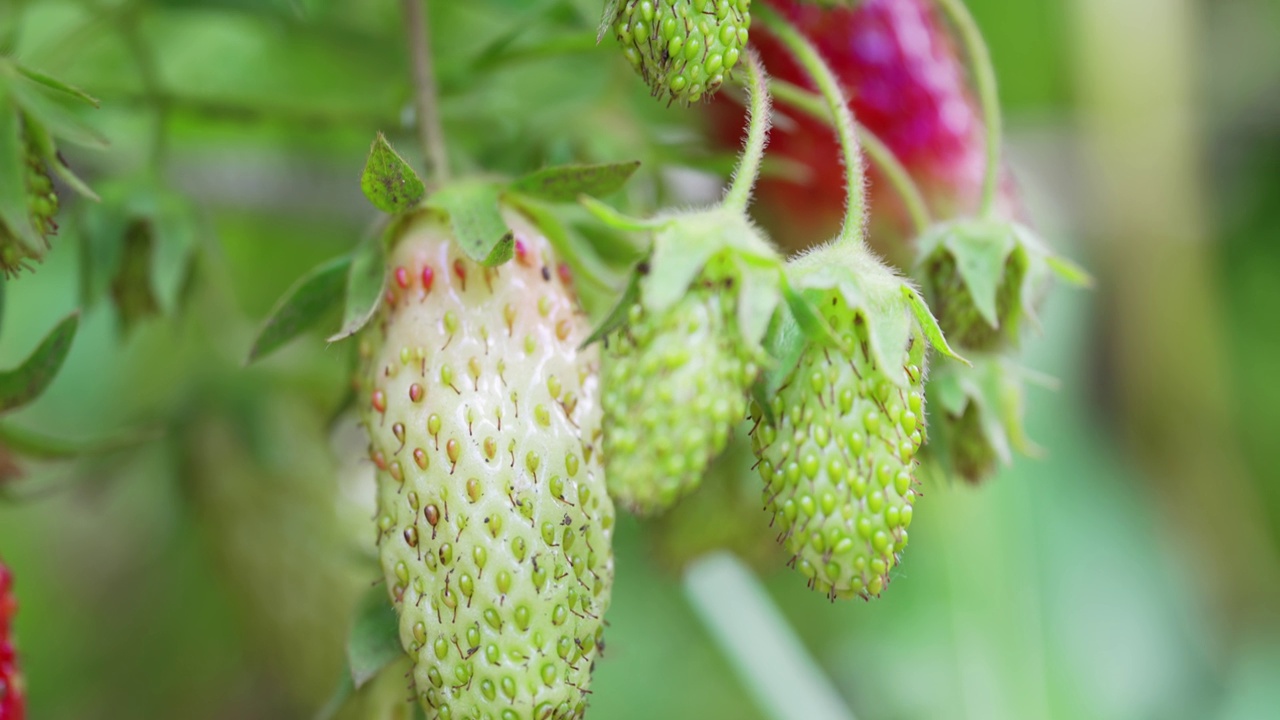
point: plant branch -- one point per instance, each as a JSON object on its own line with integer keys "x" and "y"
{"x": 854, "y": 229}
{"x": 758, "y": 120}
{"x": 430, "y": 129}
{"x": 874, "y": 147}
{"x": 984, "y": 77}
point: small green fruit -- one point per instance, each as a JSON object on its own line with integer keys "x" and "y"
{"x": 683, "y": 49}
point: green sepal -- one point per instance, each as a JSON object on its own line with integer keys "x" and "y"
{"x": 566, "y": 183}
{"x": 869, "y": 288}
{"x": 476, "y": 218}
{"x": 365, "y": 283}
{"x": 616, "y": 220}
{"x": 25, "y": 382}
{"x": 132, "y": 287}
{"x": 981, "y": 249}
{"x": 388, "y": 181}
{"x": 785, "y": 342}
{"x": 608, "y": 18}
{"x": 929, "y": 324}
{"x": 374, "y": 642}
{"x": 618, "y": 316}
{"x": 304, "y": 304}
{"x": 715, "y": 243}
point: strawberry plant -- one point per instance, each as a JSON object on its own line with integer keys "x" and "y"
{"x": 544, "y": 337}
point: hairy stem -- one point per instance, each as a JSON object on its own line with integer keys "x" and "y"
{"x": 807, "y": 56}
{"x": 984, "y": 77}
{"x": 430, "y": 129}
{"x": 759, "y": 119}
{"x": 874, "y": 147}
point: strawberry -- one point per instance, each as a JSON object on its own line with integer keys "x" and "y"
{"x": 907, "y": 84}
{"x": 12, "y": 704}
{"x": 42, "y": 204}
{"x": 980, "y": 408}
{"x": 494, "y": 522}
{"x": 838, "y": 439}
{"x": 683, "y": 49}
{"x": 677, "y": 372}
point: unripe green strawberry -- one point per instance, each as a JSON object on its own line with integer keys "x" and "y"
{"x": 675, "y": 385}
{"x": 677, "y": 372}
{"x": 978, "y": 417}
{"x": 494, "y": 522}
{"x": 42, "y": 205}
{"x": 838, "y": 443}
{"x": 683, "y": 48}
{"x": 985, "y": 277}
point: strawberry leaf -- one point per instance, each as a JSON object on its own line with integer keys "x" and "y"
{"x": 25, "y": 382}
{"x": 374, "y": 641}
{"x": 366, "y": 281}
{"x": 310, "y": 298}
{"x": 478, "y": 227}
{"x": 565, "y": 183}
{"x": 388, "y": 181}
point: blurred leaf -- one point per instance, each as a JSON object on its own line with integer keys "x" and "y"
{"x": 388, "y": 181}
{"x": 366, "y": 280}
{"x": 132, "y": 288}
{"x": 566, "y": 183}
{"x": 44, "y": 447}
{"x": 375, "y": 637}
{"x": 60, "y": 122}
{"x": 56, "y": 84}
{"x": 24, "y": 383}
{"x": 302, "y": 306}
{"x": 477, "y": 222}
{"x": 341, "y": 694}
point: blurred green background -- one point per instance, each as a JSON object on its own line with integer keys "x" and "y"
{"x": 1132, "y": 572}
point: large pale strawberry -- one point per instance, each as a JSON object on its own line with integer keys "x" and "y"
{"x": 12, "y": 704}
{"x": 494, "y": 522}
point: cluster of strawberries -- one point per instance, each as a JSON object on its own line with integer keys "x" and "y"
{"x": 12, "y": 706}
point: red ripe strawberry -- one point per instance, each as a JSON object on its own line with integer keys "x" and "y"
{"x": 907, "y": 84}
{"x": 11, "y": 701}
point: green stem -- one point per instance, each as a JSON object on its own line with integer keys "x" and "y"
{"x": 984, "y": 77}
{"x": 430, "y": 129}
{"x": 744, "y": 177}
{"x": 876, "y": 150}
{"x": 853, "y": 230}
